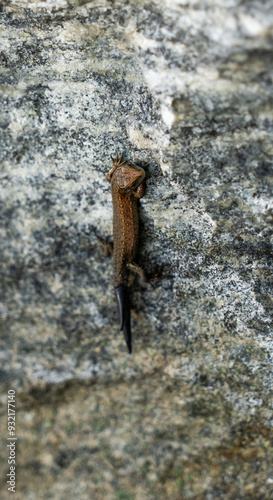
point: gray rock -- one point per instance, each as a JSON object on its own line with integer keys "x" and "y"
{"x": 184, "y": 88}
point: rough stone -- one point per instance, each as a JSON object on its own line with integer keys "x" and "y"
{"x": 184, "y": 88}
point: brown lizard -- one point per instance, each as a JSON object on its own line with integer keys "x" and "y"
{"x": 127, "y": 186}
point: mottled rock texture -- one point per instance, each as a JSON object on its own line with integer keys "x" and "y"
{"x": 185, "y": 89}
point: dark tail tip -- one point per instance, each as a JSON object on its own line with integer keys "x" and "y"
{"x": 122, "y": 293}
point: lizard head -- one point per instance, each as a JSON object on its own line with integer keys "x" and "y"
{"x": 128, "y": 177}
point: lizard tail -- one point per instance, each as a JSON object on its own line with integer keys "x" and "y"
{"x": 122, "y": 294}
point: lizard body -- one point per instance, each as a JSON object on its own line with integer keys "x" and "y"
{"x": 127, "y": 186}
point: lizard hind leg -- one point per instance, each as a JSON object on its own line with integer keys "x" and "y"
{"x": 135, "y": 268}
{"x": 148, "y": 278}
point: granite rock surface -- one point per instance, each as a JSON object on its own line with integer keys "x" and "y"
{"x": 184, "y": 89}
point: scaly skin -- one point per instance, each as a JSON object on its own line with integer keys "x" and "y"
{"x": 127, "y": 186}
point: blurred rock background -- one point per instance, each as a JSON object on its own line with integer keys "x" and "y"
{"x": 183, "y": 87}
